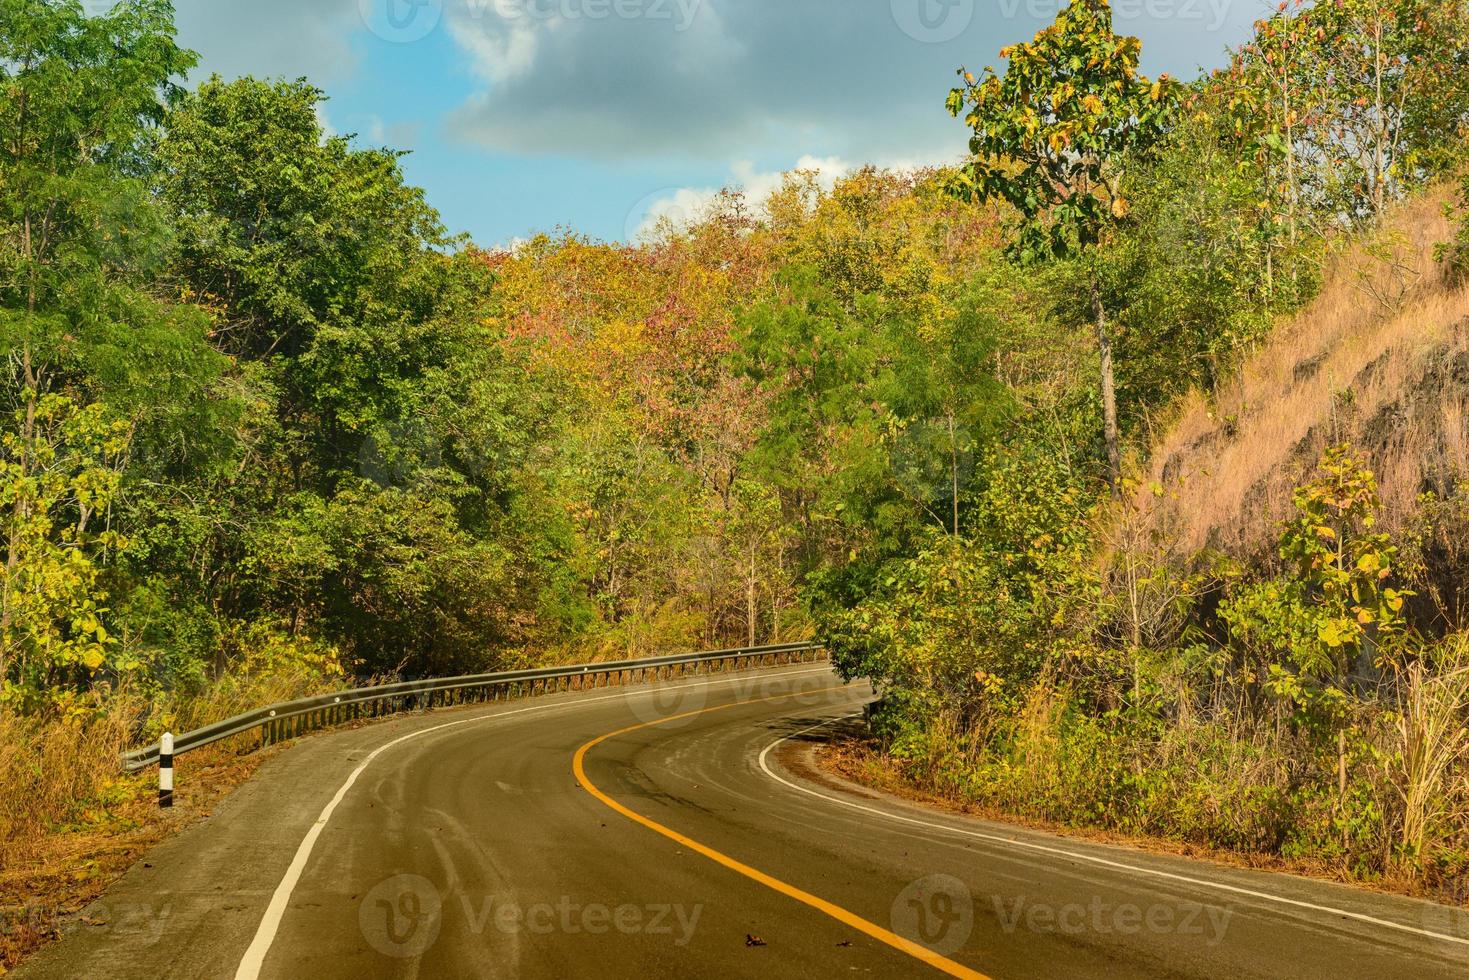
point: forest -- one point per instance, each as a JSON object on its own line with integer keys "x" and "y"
{"x": 1051, "y": 443}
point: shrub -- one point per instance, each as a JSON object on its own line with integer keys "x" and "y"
{"x": 1311, "y": 630}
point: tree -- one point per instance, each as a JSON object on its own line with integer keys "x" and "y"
{"x": 82, "y": 243}
{"x": 1053, "y": 136}
{"x": 1459, "y": 250}
{"x": 80, "y": 95}
{"x": 59, "y": 472}
{"x": 284, "y": 229}
{"x": 1326, "y": 620}
{"x": 758, "y": 533}
{"x": 1393, "y": 81}
{"x": 1269, "y": 99}
{"x": 1194, "y": 265}
{"x": 1358, "y": 100}
{"x": 380, "y": 457}
{"x": 76, "y": 226}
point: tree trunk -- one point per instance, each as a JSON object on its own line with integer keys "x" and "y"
{"x": 1109, "y": 391}
{"x": 751, "y": 608}
{"x": 954, "y": 469}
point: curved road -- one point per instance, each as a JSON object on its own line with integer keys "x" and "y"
{"x": 682, "y": 831}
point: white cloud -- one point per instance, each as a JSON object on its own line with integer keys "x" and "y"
{"x": 499, "y": 48}
{"x": 265, "y": 38}
{"x": 709, "y": 79}
{"x": 677, "y": 208}
{"x": 511, "y": 245}
{"x": 719, "y": 79}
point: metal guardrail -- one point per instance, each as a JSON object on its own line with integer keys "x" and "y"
{"x": 292, "y": 718}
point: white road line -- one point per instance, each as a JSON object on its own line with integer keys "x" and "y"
{"x": 254, "y": 958}
{"x": 1078, "y": 856}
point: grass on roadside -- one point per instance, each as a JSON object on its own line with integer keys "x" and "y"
{"x": 71, "y": 821}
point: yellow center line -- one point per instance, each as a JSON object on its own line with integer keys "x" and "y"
{"x": 916, "y": 950}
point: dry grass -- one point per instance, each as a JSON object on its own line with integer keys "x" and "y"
{"x": 71, "y": 821}
{"x": 1432, "y": 751}
{"x": 52, "y": 773}
{"x": 61, "y": 774}
{"x": 236, "y": 694}
{"x": 59, "y": 868}
{"x": 1379, "y": 359}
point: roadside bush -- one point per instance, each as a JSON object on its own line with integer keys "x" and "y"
{"x": 1324, "y": 626}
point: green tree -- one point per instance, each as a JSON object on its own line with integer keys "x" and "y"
{"x": 1357, "y": 100}
{"x": 59, "y": 472}
{"x": 964, "y": 624}
{"x": 284, "y": 229}
{"x": 1327, "y": 620}
{"x": 1193, "y": 264}
{"x": 377, "y": 392}
{"x": 1459, "y": 249}
{"x": 82, "y": 245}
{"x": 315, "y": 259}
{"x": 1052, "y": 136}
{"x": 80, "y": 237}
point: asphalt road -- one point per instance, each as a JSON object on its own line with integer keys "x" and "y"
{"x": 683, "y": 832}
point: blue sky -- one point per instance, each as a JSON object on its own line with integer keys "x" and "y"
{"x": 528, "y": 115}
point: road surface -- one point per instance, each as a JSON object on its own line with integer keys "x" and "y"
{"x": 682, "y": 831}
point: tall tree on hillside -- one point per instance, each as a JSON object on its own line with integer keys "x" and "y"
{"x": 1052, "y": 136}
{"x": 387, "y": 423}
{"x": 1356, "y": 100}
{"x": 92, "y": 360}
{"x": 80, "y": 94}
{"x": 320, "y": 264}
{"x": 1394, "y": 85}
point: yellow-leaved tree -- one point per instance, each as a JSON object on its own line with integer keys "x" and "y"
{"x": 59, "y": 471}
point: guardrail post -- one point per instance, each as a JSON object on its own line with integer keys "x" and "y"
{"x": 165, "y": 771}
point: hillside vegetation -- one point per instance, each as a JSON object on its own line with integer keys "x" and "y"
{"x": 1124, "y": 456}
{"x": 1380, "y": 359}
{"x": 1261, "y": 647}
{"x": 1255, "y": 642}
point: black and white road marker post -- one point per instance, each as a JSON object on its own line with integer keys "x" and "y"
{"x": 165, "y": 771}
